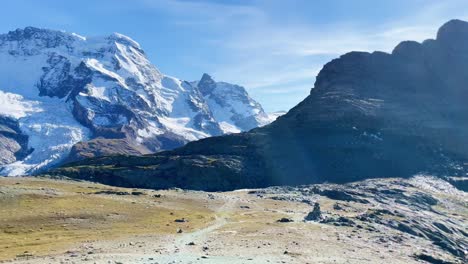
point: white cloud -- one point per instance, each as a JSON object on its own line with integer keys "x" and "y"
{"x": 205, "y": 13}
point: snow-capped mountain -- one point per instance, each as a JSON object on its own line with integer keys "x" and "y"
{"x": 58, "y": 89}
{"x": 231, "y": 106}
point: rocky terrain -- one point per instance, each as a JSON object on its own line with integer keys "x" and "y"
{"x": 369, "y": 115}
{"x": 13, "y": 143}
{"x": 418, "y": 220}
{"x": 61, "y": 92}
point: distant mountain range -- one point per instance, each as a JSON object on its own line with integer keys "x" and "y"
{"x": 369, "y": 115}
{"x": 64, "y": 97}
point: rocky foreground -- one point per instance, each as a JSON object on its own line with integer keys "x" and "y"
{"x": 417, "y": 220}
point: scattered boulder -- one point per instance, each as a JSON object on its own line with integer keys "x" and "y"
{"x": 408, "y": 229}
{"x": 342, "y": 196}
{"x": 431, "y": 259}
{"x": 338, "y": 207}
{"x": 443, "y": 227}
{"x": 25, "y": 254}
{"x": 285, "y": 220}
{"x": 112, "y": 192}
{"x": 340, "y": 221}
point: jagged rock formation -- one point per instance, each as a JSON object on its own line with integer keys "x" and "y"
{"x": 105, "y": 87}
{"x": 13, "y": 144}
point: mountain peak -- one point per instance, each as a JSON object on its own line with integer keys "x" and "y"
{"x": 51, "y": 38}
{"x": 408, "y": 49}
{"x": 231, "y": 104}
{"x": 206, "y": 78}
{"x": 206, "y": 84}
{"x": 29, "y": 33}
{"x": 123, "y": 39}
{"x": 30, "y": 30}
{"x": 453, "y": 32}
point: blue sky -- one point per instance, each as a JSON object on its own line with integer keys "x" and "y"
{"x": 274, "y": 48}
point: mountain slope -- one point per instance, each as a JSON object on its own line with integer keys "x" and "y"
{"x": 369, "y": 115}
{"x": 62, "y": 89}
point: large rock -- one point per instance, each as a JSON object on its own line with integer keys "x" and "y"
{"x": 13, "y": 143}
{"x": 369, "y": 115}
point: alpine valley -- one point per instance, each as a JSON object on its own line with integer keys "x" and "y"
{"x": 370, "y": 115}
{"x": 65, "y": 97}
{"x": 371, "y": 167}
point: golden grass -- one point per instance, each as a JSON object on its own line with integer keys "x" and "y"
{"x": 40, "y": 216}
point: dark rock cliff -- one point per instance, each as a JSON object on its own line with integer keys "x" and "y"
{"x": 13, "y": 143}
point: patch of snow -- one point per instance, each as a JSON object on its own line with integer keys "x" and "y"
{"x": 98, "y": 66}
{"x": 127, "y": 40}
{"x": 52, "y": 132}
{"x": 78, "y": 36}
{"x": 180, "y": 126}
{"x": 150, "y": 131}
{"x": 98, "y": 92}
{"x": 229, "y": 128}
{"x": 436, "y": 185}
{"x": 15, "y": 106}
{"x": 273, "y": 116}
